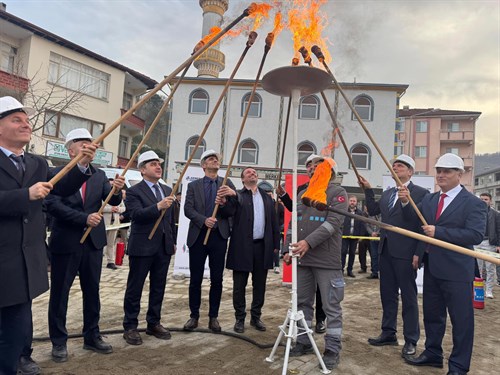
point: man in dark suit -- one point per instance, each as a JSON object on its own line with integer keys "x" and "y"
{"x": 254, "y": 239}
{"x": 399, "y": 259}
{"x": 198, "y": 207}
{"x": 72, "y": 216}
{"x": 145, "y": 202}
{"x": 456, "y": 216}
{"x": 23, "y": 263}
{"x": 351, "y": 227}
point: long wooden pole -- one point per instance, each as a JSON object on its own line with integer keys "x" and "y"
{"x": 140, "y": 145}
{"x": 317, "y": 51}
{"x": 250, "y": 42}
{"x": 158, "y": 87}
{"x": 433, "y": 241}
{"x": 235, "y": 148}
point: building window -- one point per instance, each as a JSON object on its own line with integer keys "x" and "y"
{"x": 76, "y": 76}
{"x": 305, "y": 149}
{"x": 452, "y": 150}
{"x": 248, "y": 152}
{"x": 60, "y": 124}
{"x": 421, "y": 127}
{"x": 123, "y": 147}
{"x": 198, "y": 102}
{"x": 7, "y": 57}
{"x": 128, "y": 100}
{"x": 364, "y": 106}
{"x": 453, "y": 127}
{"x": 255, "y": 107}
{"x": 421, "y": 151}
{"x": 190, "y": 144}
{"x": 309, "y": 108}
{"x": 361, "y": 156}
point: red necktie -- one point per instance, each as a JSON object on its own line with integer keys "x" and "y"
{"x": 84, "y": 190}
{"x": 440, "y": 206}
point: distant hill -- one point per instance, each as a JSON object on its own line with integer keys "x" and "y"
{"x": 485, "y": 162}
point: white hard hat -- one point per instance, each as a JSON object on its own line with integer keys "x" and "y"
{"x": 405, "y": 159}
{"x": 208, "y": 153}
{"x": 450, "y": 160}
{"x": 77, "y": 135}
{"x": 313, "y": 158}
{"x": 148, "y": 156}
{"x": 10, "y": 105}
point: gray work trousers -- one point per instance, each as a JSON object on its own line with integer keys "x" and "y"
{"x": 331, "y": 286}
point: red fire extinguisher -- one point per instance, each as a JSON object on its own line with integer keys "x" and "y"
{"x": 478, "y": 301}
{"x": 120, "y": 253}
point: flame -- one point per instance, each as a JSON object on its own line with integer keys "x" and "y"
{"x": 259, "y": 11}
{"x": 306, "y": 23}
{"x": 319, "y": 182}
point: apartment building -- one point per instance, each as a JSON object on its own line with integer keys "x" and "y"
{"x": 426, "y": 134}
{"x": 70, "y": 87}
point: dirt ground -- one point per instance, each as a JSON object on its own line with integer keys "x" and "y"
{"x": 205, "y": 353}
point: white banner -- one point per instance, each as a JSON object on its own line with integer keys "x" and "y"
{"x": 181, "y": 261}
{"x": 426, "y": 182}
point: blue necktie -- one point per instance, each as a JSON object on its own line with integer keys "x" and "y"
{"x": 393, "y": 198}
{"x": 19, "y": 164}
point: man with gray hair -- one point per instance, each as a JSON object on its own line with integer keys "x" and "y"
{"x": 198, "y": 208}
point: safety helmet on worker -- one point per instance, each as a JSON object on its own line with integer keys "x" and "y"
{"x": 450, "y": 161}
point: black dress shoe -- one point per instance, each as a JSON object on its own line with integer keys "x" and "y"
{"x": 257, "y": 324}
{"x": 158, "y": 331}
{"x": 59, "y": 353}
{"x": 383, "y": 340}
{"x": 350, "y": 274}
{"x": 98, "y": 345}
{"x": 27, "y": 366}
{"x": 320, "y": 327}
{"x": 191, "y": 325}
{"x": 425, "y": 360}
{"x": 214, "y": 325}
{"x": 372, "y": 276}
{"x": 409, "y": 349}
{"x": 239, "y": 326}
{"x": 132, "y": 337}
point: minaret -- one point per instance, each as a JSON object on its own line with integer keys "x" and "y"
{"x": 212, "y": 61}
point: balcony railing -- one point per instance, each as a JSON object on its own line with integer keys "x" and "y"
{"x": 460, "y": 136}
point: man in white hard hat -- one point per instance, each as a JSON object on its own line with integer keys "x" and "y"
{"x": 399, "y": 259}
{"x": 145, "y": 202}
{"x": 318, "y": 247}
{"x": 456, "y": 216}
{"x": 72, "y": 215}
{"x": 312, "y": 162}
{"x": 198, "y": 208}
{"x": 23, "y": 269}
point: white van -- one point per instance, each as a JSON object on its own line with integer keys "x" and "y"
{"x": 132, "y": 176}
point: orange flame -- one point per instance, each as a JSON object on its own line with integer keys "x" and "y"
{"x": 319, "y": 182}
{"x": 259, "y": 11}
{"x": 307, "y": 22}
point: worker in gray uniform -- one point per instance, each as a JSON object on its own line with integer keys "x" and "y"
{"x": 319, "y": 250}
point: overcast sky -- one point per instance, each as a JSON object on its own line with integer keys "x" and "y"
{"x": 447, "y": 51}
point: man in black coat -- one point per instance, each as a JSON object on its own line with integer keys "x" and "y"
{"x": 198, "y": 208}
{"x": 72, "y": 216}
{"x": 254, "y": 239}
{"x": 145, "y": 202}
{"x": 351, "y": 227}
{"x": 399, "y": 259}
{"x": 23, "y": 263}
